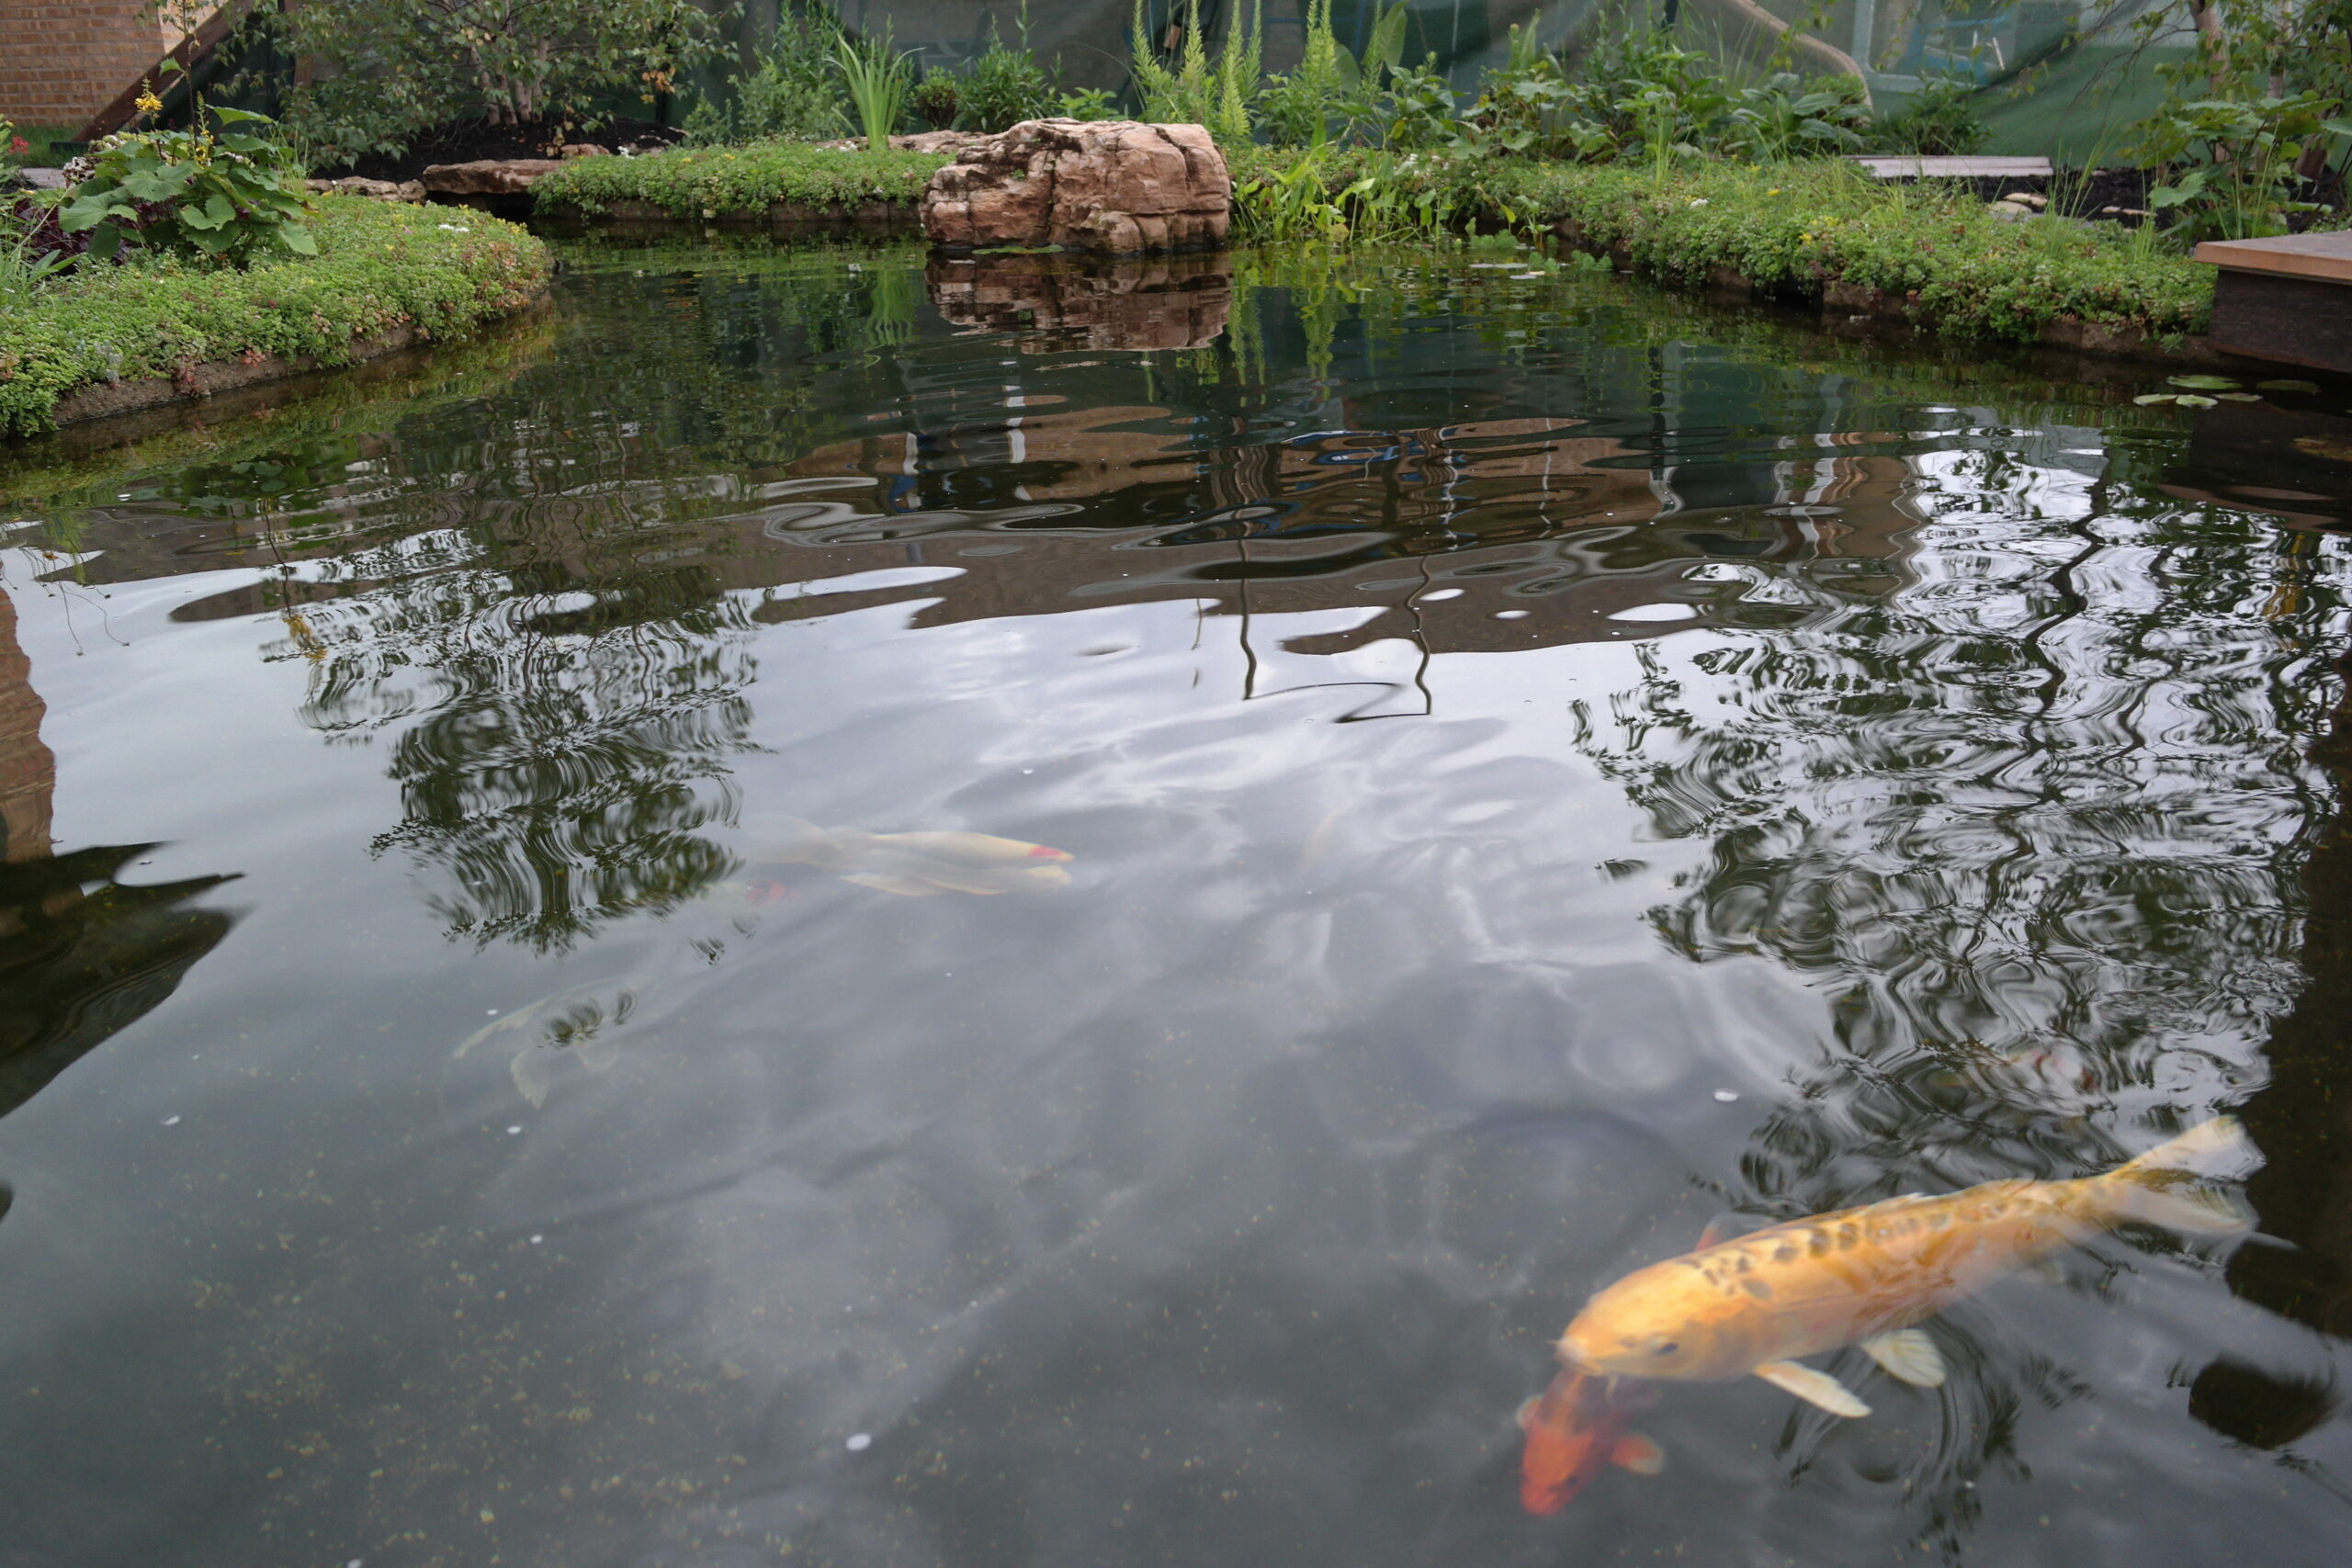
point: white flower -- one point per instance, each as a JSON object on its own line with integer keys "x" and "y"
{"x": 457, "y": 228}
{"x": 1698, "y": 202}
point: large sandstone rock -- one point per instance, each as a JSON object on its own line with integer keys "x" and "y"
{"x": 1162, "y": 303}
{"x": 1112, "y": 185}
{"x": 486, "y": 176}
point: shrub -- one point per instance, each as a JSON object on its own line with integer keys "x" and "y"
{"x": 937, "y": 97}
{"x": 879, "y": 79}
{"x": 792, "y": 89}
{"x": 381, "y": 266}
{"x": 388, "y": 70}
{"x": 1005, "y": 87}
{"x": 1939, "y": 121}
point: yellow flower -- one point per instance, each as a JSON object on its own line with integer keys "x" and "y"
{"x": 148, "y": 102}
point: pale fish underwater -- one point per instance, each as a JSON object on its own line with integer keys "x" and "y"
{"x": 913, "y": 865}
{"x": 573, "y": 1021}
{"x": 1866, "y": 1275}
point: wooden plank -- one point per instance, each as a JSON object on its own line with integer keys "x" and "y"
{"x": 2289, "y": 321}
{"x": 1910, "y": 168}
{"x": 2326, "y": 258}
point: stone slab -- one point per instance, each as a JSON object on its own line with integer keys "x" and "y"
{"x": 2326, "y": 258}
{"x": 1907, "y": 167}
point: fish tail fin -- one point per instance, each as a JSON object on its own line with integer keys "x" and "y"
{"x": 2153, "y": 1188}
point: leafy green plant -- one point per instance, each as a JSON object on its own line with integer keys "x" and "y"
{"x": 938, "y": 97}
{"x": 1417, "y": 111}
{"x": 1006, "y": 85}
{"x": 2234, "y": 162}
{"x": 1940, "y": 121}
{"x": 1305, "y": 108}
{"x": 382, "y": 72}
{"x": 1195, "y": 92}
{"x": 226, "y": 194}
{"x": 879, "y": 80}
{"x": 1087, "y": 103}
{"x": 1783, "y": 117}
{"x": 792, "y": 89}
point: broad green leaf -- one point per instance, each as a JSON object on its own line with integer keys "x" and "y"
{"x": 2145, "y": 398}
{"x": 2191, "y": 400}
{"x": 298, "y": 240}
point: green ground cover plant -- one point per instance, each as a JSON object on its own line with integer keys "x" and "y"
{"x": 381, "y": 267}
{"x": 1795, "y": 227}
{"x": 711, "y": 182}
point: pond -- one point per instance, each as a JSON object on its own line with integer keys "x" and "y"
{"x": 1491, "y": 769}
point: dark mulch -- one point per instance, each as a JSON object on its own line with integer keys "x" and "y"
{"x": 470, "y": 139}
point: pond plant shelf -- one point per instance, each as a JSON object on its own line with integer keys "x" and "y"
{"x": 2288, "y": 300}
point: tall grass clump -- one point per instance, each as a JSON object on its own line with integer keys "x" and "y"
{"x": 880, "y": 79}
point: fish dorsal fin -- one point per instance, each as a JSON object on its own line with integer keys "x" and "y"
{"x": 1638, "y": 1454}
{"x": 1813, "y": 1387}
{"x": 1735, "y": 1227}
{"x": 1908, "y": 1354}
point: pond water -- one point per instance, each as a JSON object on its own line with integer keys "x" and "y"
{"x": 1542, "y": 765}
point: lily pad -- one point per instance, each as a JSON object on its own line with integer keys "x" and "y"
{"x": 2287, "y": 385}
{"x": 2145, "y": 398}
{"x": 2239, "y": 396}
{"x": 2203, "y": 383}
{"x": 2334, "y": 447}
{"x": 2190, "y": 400}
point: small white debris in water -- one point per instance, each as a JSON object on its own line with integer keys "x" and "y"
{"x": 170, "y": 1120}
{"x": 1510, "y": 615}
{"x": 860, "y": 1442}
{"x": 492, "y": 1011}
{"x": 1726, "y": 1096}
{"x": 512, "y": 1131}
{"x": 1028, "y": 770}
{"x": 536, "y": 1239}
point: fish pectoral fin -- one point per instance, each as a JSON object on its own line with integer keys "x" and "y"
{"x": 1908, "y": 1354}
{"x": 1813, "y": 1387}
{"x": 904, "y": 886}
{"x": 1638, "y": 1454}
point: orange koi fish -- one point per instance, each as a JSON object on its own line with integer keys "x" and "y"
{"x": 1866, "y": 1275}
{"x": 1574, "y": 1430}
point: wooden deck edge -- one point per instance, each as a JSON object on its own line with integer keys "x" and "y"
{"x": 104, "y": 399}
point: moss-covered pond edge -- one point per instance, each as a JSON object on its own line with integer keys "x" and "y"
{"x": 389, "y": 276}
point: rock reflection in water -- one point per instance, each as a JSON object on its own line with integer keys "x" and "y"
{"x": 1180, "y": 301}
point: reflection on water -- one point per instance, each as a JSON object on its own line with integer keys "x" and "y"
{"x": 1536, "y": 767}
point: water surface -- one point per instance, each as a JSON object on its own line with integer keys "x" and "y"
{"x": 1545, "y": 764}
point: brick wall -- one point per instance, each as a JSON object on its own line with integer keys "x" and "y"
{"x": 62, "y": 61}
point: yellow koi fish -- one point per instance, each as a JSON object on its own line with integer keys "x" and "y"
{"x": 1866, "y": 1275}
{"x": 914, "y": 865}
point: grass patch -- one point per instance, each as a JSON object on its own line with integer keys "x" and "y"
{"x": 705, "y": 182}
{"x": 381, "y": 266}
{"x": 39, "y": 143}
{"x": 1800, "y": 228}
